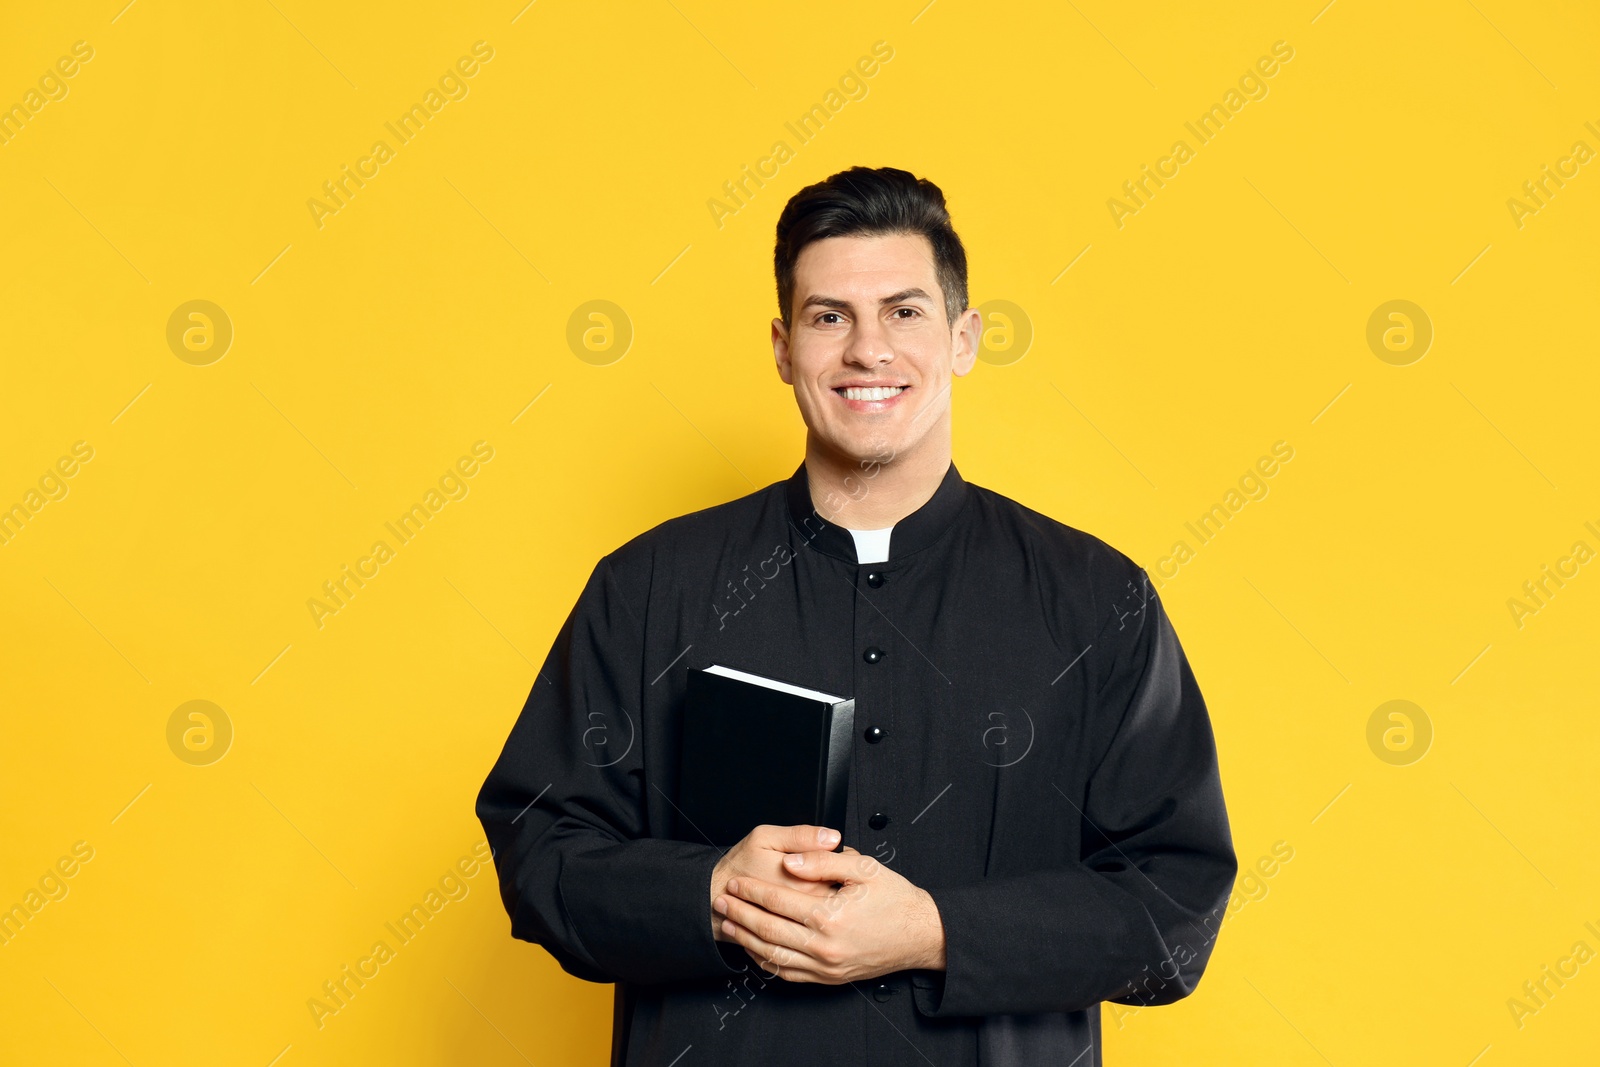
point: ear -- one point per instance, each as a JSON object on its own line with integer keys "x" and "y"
{"x": 966, "y": 335}
{"x": 780, "y": 351}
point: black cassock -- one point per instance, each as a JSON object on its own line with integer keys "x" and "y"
{"x": 1041, "y": 761}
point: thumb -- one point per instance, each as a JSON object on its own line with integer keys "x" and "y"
{"x": 802, "y": 838}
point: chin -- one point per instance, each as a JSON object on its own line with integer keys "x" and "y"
{"x": 864, "y": 451}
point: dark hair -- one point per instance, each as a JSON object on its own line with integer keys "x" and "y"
{"x": 867, "y": 202}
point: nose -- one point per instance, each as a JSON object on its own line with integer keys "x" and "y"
{"x": 869, "y": 344}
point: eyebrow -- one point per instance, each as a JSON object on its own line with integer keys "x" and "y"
{"x": 893, "y": 298}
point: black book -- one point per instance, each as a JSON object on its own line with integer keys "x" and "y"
{"x": 757, "y": 750}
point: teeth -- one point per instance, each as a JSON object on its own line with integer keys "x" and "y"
{"x": 880, "y": 393}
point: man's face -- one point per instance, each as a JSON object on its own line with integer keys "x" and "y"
{"x": 868, "y": 312}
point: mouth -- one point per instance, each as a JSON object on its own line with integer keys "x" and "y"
{"x": 871, "y": 399}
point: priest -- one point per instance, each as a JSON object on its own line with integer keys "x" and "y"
{"x": 1035, "y": 820}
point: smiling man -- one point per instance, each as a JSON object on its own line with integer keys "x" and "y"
{"x": 1035, "y": 821}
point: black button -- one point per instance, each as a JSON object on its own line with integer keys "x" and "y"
{"x": 873, "y": 654}
{"x": 878, "y": 821}
{"x": 883, "y": 991}
{"x": 875, "y": 579}
{"x": 874, "y": 734}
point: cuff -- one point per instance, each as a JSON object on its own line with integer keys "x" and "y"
{"x": 643, "y": 911}
{"x": 1032, "y": 944}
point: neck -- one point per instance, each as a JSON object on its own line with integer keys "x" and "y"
{"x": 868, "y": 494}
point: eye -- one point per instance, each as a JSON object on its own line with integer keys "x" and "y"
{"x": 827, "y": 315}
{"x": 913, "y": 312}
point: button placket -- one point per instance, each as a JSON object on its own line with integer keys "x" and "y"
{"x": 875, "y": 691}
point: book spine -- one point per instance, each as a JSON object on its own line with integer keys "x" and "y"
{"x": 836, "y": 766}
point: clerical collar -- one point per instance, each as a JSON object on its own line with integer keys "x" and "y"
{"x": 872, "y": 546}
{"x": 916, "y": 531}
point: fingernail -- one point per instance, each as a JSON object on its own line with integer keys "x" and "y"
{"x": 829, "y": 837}
{"x": 733, "y": 885}
{"x": 795, "y": 859}
{"x": 721, "y": 905}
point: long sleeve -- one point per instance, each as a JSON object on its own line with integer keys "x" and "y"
{"x": 564, "y": 812}
{"x": 1134, "y": 920}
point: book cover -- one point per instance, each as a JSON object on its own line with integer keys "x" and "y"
{"x": 759, "y": 750}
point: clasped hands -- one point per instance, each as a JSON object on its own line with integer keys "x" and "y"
{"x": 807, "y": 914}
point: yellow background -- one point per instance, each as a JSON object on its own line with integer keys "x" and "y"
{"x": 369, "y": 354}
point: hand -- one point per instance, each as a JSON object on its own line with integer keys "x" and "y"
{"x": 876, "y": 923}
{"x": 761, "y": 855}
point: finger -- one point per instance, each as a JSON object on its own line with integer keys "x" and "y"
{"x": 814, "y": 890}
{"x": 777, "y": 899}
{"x": 831, "y": 866}
{"x": 770, "y": 928}
{"x": 795, "y": 838}
{"x": 758, "y": 950}
{"x": 772, "y": 959}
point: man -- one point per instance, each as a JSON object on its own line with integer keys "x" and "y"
{"x": 1035, "y": 821}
